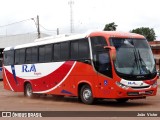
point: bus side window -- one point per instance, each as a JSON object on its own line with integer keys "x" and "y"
{"x": 28, "y": 55}
{"x": 41, "y": 53}
{"x": 22, "y": 56}
{"x": 74, "y": 50}
{"x": 9, "y": 57}
{"x": 34, "y": 54}
{"x": 6, "y": 58}
{"x": 48, "y": 53}
{"x": 83, "y": 49}
{"x": 65, "y": 51}
{"x": 101, "y": 58}
{"x": 56, "y": 52}
{"x": 17, "y": 57}
{"x": 80, "y": 49}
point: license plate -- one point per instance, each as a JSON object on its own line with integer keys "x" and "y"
{"x": 142, "y": 92}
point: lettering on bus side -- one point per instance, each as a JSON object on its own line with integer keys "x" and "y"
{"x": 28, "y": 68}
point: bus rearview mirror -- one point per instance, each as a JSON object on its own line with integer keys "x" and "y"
{"x": 112, "y": 52}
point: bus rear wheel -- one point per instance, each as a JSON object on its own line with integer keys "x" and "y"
{"x": 28, "y": 92}
{"x": 86, "y": 95}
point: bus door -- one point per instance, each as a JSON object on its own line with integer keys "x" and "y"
{"x": 102, "y": 63}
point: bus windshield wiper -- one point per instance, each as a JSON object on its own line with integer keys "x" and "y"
{"x": 143, "y": 63}
{"x": 136, "y": 61}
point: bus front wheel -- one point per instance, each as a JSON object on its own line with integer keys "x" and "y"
{"x": 28, "y": 91}
{"x": 86, "y": 94}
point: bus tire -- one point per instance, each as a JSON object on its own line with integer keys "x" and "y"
{"x": 86, "y": 95}
{"x": 28, "y": 92}
{"x": 122, "y": 100}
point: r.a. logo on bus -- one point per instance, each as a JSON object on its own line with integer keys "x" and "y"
{"x": 28, "y": 68}
{"x": 132, "y": 83}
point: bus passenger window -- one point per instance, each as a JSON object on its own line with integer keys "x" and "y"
{"x": 74, "y": 50}
{"x": 28, "y": 55}
{"x": 9, "y": 57}
{"x": 34, "y": 54}
{"x": 41, "y": 53}
{"x": 64, "y": 51}
{"x": 83, "y": 49}
{"x": 56, "y": 52}
{"x": 17, "y": 56}
{"x": 21, "y": 56}
{"x": 48, "y": 53}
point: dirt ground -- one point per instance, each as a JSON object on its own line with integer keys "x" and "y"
{"x": 12, "y": 101}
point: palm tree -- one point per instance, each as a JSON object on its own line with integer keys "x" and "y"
{"x": 110, "y": 27}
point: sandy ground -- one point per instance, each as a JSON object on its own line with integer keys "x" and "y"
{"x": 11, "y": 101}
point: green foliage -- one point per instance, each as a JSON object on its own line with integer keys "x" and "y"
{"x": 147, "y": 32}
{"x": 110, "y": 27}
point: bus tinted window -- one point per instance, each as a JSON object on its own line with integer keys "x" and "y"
{"x": 80, "y": 49}
{"x": 21, "y": 56}
{"x": 83, "y": 49}
{"x": 48, "y": 53}
{"x": 17, "y": 56}
{"x": 98, "y": 43}
{"x": 56, "y": 52}
{"x": 34, "y": 54}
{"x": 9, "y": 57}
{"x": 74, "y": 50}
{"x": 28, "y": 55}
{"x": 65, "y": 51}
{"x": 99, "y": 40}
{"x": 41, "y": 53}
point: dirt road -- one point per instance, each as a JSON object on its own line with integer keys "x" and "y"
{"x": 11, "y": 101}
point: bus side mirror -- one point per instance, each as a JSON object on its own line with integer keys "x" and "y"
{"x": 112, "y": 51}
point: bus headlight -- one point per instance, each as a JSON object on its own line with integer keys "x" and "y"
{"x": 154, "y": 85}
{"x": 121, "y": 85}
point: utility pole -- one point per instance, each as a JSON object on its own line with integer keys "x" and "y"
{"x": 38, "y": 28}
{"x": 57, "y": 31}
{"x": 71, "y": 2}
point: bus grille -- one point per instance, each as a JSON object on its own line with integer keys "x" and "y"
{"x": 141, "y": 87}
{"x": 140, "y": 93}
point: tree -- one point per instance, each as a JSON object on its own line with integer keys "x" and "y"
{"x": 145, "y": 31}
{"x": 110, "y": 27}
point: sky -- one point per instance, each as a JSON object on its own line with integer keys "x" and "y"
{"x": 88, "y": 15}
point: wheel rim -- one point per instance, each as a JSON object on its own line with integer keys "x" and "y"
{"x": 29, "y": 90}
{"x": 87, "y": 94}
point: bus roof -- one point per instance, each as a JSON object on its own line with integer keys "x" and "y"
{"x": 48, "y": 40}
{"x": 117, "y": 34}
{"x": 62, "y": 38}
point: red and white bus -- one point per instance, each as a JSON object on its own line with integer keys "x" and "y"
{"x": 104, "y": 64}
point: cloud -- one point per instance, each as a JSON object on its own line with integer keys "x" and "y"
{"x": 87, "y": 14}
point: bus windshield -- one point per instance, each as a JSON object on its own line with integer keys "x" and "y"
{"x": 133, "y": 56}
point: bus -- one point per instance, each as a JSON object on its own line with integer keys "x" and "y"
{"x": 96, "y": 65}
{"x": 1, "y": 69}
{"x": 1, "y": 59}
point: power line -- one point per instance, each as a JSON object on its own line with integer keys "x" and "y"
{"x": 57, "y": 30}
{"x": 36, "y": 23}
{"x": 17, "y": 22}
{"x": 18, "y": 34}
{"x": 46, "y": 28}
